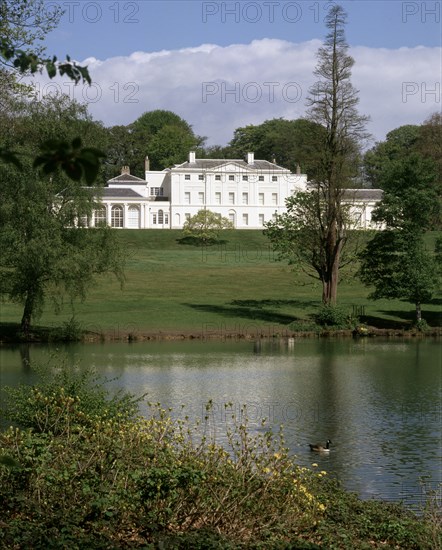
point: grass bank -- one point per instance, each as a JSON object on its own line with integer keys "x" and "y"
{"x": 236, "y": 287}
{"x": 80, "y": 470}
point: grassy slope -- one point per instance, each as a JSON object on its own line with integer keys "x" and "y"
{"x": 236, "y": 287}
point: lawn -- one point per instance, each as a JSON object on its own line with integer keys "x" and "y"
{"x": 237, "y": 286}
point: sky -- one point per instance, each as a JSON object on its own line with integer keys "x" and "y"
{"x": 221, "y": 65}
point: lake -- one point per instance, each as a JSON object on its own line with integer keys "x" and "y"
{"x": 379, "y": 401}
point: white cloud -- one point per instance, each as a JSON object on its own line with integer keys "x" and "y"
{"x": 218, "y": 89}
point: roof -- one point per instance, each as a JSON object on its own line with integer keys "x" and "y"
{"x": 119, "y": 192}
{"x": 363, "y": 194}
{"x": 211, "y": 164}
{"x": 128, "y": 179}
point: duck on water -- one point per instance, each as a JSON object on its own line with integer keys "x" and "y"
{"x": 321, "y": 448}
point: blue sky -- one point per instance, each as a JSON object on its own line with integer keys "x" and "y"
{"x": 211, "y": 62}
{"x": 109, "y": 28}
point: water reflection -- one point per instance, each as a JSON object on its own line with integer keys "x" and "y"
{"x": 379, "y": 402}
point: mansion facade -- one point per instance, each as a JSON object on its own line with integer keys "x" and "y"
{"x": 247, "y": 192}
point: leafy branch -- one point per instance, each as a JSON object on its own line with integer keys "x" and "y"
{"x": 25, "y": 61}
{"x": 75, "y": 161}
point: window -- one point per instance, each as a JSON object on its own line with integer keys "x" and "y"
{"x": 156, "y": 191}
{"x": 245, "y": 219}
{"x": 274, "y": 198}
{"x": 274, "y": 178}
{"x": 245, "y": 178}
{"x": 231, "y": 178}
{"x": 260, "y": 178}
{"x": 245, "y": 198}
{"x": 187, "y": 176}
{"x": 187, "y": 197}
{"x": 100, "y": 217}
{"x": 261, "y": 219}
{"x": 166, "y": 218}
{"x": 187, "y": 216}
{"x": 133, "y": 217}
{"x": 217, "y": 177}
{"x": 117, "y": 216}
{"x": 218, "y": 198}
{"x": 201, "y": 177}
{"x": 160, "y": 217}
{"x": 261, "y": 198}
{"x": 201, "y": 197}
{"x": 232, "y": 217}
{"x": 83, "y": 221}
{"x": 231, "y": 198}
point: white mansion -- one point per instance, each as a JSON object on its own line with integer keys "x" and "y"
{"x": 247, "y": 192}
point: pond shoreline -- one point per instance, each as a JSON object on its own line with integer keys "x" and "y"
{"x": 47, "y": 336}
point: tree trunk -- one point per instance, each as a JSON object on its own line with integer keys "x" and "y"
{"x": 418, "y": 312}
{"x": 28, "y": 311}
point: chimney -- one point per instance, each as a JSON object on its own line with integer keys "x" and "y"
{"x": 146, "y": 164}
{"x": 250, "y": 158}
{"x": 125, "y": 171}
{"x": 298, "y": 170}
{"x": 191, "y": 157}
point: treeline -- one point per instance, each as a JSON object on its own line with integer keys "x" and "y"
{"x": 167, "y": 139}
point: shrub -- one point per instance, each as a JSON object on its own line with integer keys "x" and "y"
{"x": 421, "y": 325}
{"x": 332, "y": 316}
{"x": 64, "y": 396}
{"x": 90, "y": 478}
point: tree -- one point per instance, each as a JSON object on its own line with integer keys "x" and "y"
{"x": 410, "y": 200}
{"x": 122, "y": 150}
{"x": 388, "y": 164}
{"x": 205, "y": 226}
{"x": 396, "y": 261}
{"x": 397, "y": 265}
{"x": 300, "y": 236}
{"x": 25, "y": 23}
{"x": 332, "y": 105}
{"x": 45, "y": 253}
{"x": 22, "y": 22}
{"x": 399, "y": 143}
{"x": 170, "y": 145}
{"x": 164, "y": 137}
{"x": 288, "y": 142}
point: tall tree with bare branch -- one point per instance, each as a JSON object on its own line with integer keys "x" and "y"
{"x": 332, "y": 103}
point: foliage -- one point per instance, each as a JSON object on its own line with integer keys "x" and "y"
{"x": 22, "y": 23}
{"x": 162, "y": 135}
{"x": 76, "y": 161}
{"x": 300, "y": 236}
{"x": 25, "y": 23}
{"x": 332, "y": 105}
{"x": 44, "y": 250}
{"x": 407, "y": 166}
{"x": 409, "y": 182}
{"x": 429, "y": 144}
{"x": 396, "y": 261}
{"x": 397, "y": 265}
{"x": 399, "y": 143}
{"x": 81, "y": 472}
{"x": 65, "y": 398}
{"x": 30, "y": 62}
{"x": 205, "y": 226}
{"x": 333, "y": 316}
{"x": 289, "y": 143}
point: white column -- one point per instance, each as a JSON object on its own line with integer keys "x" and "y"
{"x": 125, "y": 215}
